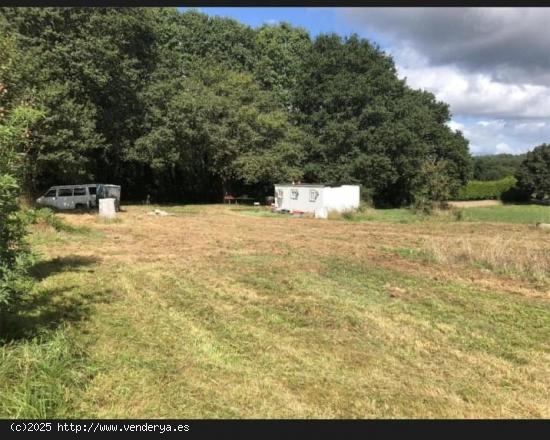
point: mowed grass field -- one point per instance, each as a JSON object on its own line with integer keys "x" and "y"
{"x": 230, "y": 312}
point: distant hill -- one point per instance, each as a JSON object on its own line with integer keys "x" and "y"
{"x": 497, "y": 166}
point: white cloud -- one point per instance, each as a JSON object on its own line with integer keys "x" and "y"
{"x": 503, "y": 147}
{"x": 491, "y": 65}
{"x": 514, "y": 39}
{"x": 493, "y": 136}
{"x": 473, "y": 93}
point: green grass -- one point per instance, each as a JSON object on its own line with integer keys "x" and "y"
{"x": 336, "y": 343}
{"x": 509, "y": 214}
{"x": 215, "y": 326}
{"x": 43, "y": 365}
{"x": 506, "y": 214}
{"x": 421, "y": 255}
{"x": 42, "y": 376}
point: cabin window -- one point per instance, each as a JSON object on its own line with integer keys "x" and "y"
{"x": 80, "y": 191}
{"x": 280, "y": 193}
{"x": 313, "y": 194}
{"x": 65, "y": 192}
{"x": 50, "y": 193}
{"x": 294, "y": 194}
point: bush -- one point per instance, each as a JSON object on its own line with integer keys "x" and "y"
{"x": 457, "y": 213}
{"x": 44, "y": 216}
{"x": 15, "y": 137}
{"x": 479, "y": 190}
{"x": 434, "y": 187}
{"x": 15, "y": 257}
{"x": 423, "y": 205}
{"x": 515, "y": 195}
{"x": 348, "y": 214}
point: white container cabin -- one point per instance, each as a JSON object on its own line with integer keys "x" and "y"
{"x": 316, "y": 198}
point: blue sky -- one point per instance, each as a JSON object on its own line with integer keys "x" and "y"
{"x": 491, "y": 65}
{"x": 315, "y": 20}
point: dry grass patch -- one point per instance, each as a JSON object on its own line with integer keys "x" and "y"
{"x": 504, "y": 254}
{"x": 216, "y": 314}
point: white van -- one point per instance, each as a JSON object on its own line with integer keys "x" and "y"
{"x": 78, "y": 196}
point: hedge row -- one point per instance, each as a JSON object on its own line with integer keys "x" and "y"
{"x": 493, "y": 189}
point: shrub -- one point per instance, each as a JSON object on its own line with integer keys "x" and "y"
{"x": 515, "y": 195}
{"x": 479, "y": 190}
{"x": 458, "y": 214}
{"x": 423, "y": 205}
{"x": 15, "y": 257}
{"x": 434, "y": 187}
{"x": 348, "y": 215}
{"x": 15, "y": 136}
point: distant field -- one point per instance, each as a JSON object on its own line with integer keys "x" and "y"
{"x": 223, "y": 312}
{"x": 509, "y": 214}
{"x": 531, "y": 214}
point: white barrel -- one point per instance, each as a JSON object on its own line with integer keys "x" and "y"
{"x": 107, "y": 208}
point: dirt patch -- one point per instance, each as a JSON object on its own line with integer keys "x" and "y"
{"x": 475, "y": 203}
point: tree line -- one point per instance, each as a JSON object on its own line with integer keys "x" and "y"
{"x": 186, "y": 107}
{"x": 496, "y": 166}
{"x": 512, "y": 178}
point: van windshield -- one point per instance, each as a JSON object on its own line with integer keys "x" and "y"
{"x": 50, "y": 193}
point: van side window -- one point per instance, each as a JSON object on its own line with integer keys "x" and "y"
{"x": 65, "y": 192}
{"x": 80, "y": 191}
{"x": 50, "y": 193}
{"x": 92, "y": 190}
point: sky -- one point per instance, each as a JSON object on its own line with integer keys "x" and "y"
{"x": 491, "y": 65}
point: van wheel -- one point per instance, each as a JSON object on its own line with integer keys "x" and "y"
{"x": 79, "y": 206}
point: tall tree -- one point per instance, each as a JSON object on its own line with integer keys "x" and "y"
{"x": 497, "y": 166}
{"x": 371, "y": 128}
{"x": 183, "y": 104}
{"x": 534, "y": 172}
{"x": 281, "y": 49}
{"x": 88, "y": 67}
{"x": 222, "y": 125}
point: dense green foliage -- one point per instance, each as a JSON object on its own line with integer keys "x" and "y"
{"x": 497, "y": 166}
{"x": 186, "y": 107}
{"x": 16, "y": 120}
{"x": 480, "y": 190}
{"x": 534, "y": 173}
{"x": 369, "y": 127}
